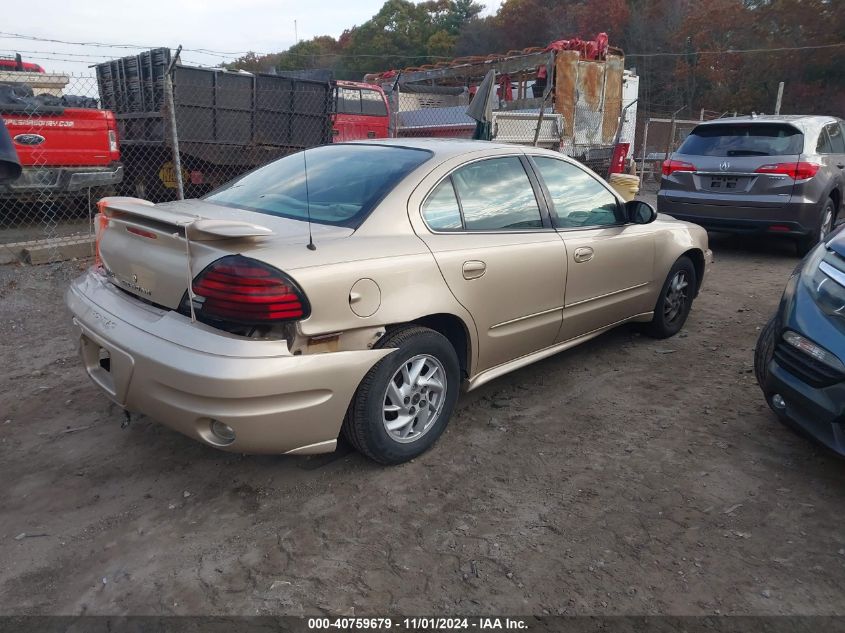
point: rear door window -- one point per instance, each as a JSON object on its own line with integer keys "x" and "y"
{"x": 372, "y": 103}
{"x": 752, "y": 139}
{"x": 823, "y": 145}
{"x": 441, "y": 210}
{"x": 837, "y": 142}
{"x": 496, "y": 194}
{"x": 348, "y": 101}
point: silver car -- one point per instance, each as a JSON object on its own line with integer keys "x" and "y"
{"x": 779, "y": 175}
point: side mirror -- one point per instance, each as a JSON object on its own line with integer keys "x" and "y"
{"x": 639, "y": 212}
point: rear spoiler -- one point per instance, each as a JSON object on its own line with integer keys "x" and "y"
{"x": 196, "y": 227}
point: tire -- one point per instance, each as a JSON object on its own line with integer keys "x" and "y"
{"x": 827, "y": 219}
{"x": 763, "y": 352}
{"x": 675, "y": 300}
{"x": 373, "y": 409}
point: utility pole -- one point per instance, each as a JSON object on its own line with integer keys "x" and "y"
{"x": 295, "y": 32}
{"x": 670, "y": 142}
{"x": 780, "y": 98}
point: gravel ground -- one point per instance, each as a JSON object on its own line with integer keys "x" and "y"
{"x": 627, "y": 476}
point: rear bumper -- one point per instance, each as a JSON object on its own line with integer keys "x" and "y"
{"x": 185, "y": 374}
{"x": 62, "y": 179}
{"x": 791, "y": 218}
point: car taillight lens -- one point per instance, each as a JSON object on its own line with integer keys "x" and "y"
{"x": 670, "y": 166}
{"x": 237, "y": 289}
{"x": 101, "y": 223}
{"x": 796, "y": 171}
{"x": 113, "y": 141}
{"x": 617, "y": 161}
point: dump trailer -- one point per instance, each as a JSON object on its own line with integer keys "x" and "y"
{"x": 576, "y": 84}
{"x": 226, "y": 122}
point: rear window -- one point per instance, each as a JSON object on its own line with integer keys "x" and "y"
{"x": 756, "y": 139}
{"x": 345, "y": 182}
{"x": 360, "y": 101}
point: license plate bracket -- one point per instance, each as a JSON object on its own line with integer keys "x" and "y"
{"x": 724, "y": 182}
{"x": 109, "y": 367}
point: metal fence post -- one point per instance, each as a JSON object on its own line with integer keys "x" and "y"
{"x": 174, "y": 136}
{"x": 779, "y": 99}
{"x": 645, "y": 144}
{"x": 670, "y": 140}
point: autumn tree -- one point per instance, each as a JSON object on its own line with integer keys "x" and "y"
{"x": 689, "y": 54}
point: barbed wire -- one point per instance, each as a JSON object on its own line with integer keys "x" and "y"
{"x": 82, "y": 61}
{"x": 229, "y": 54}
{"x": 740, "y": 51}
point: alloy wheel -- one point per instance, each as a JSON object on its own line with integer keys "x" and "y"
{"x": 414, "y": 398}
{"x": 676, "y": 296}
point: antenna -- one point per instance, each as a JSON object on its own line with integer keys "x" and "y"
{"x": 311, "y": 246}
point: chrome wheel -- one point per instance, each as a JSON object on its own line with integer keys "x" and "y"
{"x": 676, "y": 297}
{"x": 827, "y": 224}
{"x": 413, "y": 400}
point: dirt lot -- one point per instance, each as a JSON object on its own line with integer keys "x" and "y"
{"x": 627, "y": 476}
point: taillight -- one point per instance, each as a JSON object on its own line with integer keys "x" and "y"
{"x": 114, "y": 146}
{"x": 617, "y": 161}
{"x": 101, "y": 223}
{"x": 237, "y": 289}
{"x": 670, "y": 166}
{"x": 796, "y": 171}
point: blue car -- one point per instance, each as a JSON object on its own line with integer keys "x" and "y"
{"x": 800, "y": 356}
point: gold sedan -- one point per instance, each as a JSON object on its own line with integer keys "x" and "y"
{"x": 357, "y": 288}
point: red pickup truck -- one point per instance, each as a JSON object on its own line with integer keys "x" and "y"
{"x": 63, "y": 149}
{"x": 360, "y": 112}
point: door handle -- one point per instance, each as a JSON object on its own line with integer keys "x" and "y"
{"x": 583, "y": 254}
{"x": 473, "y": 269}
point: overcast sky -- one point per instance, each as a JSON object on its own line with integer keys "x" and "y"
{"x": 219, "y": 25}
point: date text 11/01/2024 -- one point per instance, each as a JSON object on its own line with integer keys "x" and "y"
{"x": 418, "y": 624}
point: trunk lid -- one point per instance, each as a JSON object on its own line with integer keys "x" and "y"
{"x": 143, "y": 249}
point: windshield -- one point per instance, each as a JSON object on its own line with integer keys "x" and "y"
{"x": 756, "y": 139}
{"x": 345, "y": 182}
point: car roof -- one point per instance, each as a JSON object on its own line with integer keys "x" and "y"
{"x": 815, "y": 119}
{"x": 444, "y": 148}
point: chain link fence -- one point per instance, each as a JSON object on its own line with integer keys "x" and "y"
{"x": 586, "y": 133}
{"x": 658, "y": 138}
{"x": 134, "y": 129}
{"x": 50, "y": 203}
{"x": 147, "y": 127}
